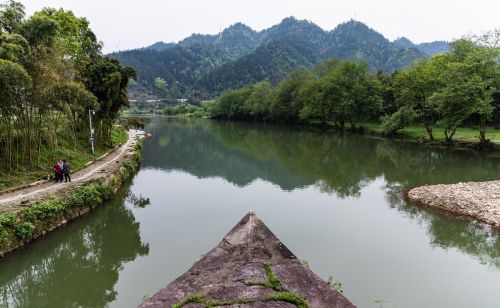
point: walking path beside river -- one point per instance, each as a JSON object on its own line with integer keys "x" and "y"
{"x": 15, "y": 200}
{"x": 479, "y": 200}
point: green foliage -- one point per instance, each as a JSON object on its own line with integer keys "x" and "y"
{"x": 89, "y": 195}
{"x": 25, "y": 230}
{"x": 118, "y": 136}
{"x": 337, "y": 285}
{"x": 52, "y": 73}
{"x": 11, "y": 16}
{"x": 46, "y": 210}
{"x": 188, "y": 110}
{"x": 470, "y": 80}
{"x": 346, "y": 92}
{"x": 203, "y": 66}
{"x": 403, "y": 117}
{"x": 272, "y": 282}
{"x": 289, "y": 297}
{"x": 7, "y": 220}
{"x": 190, "y": 299}
{"x": 442, "y": 92}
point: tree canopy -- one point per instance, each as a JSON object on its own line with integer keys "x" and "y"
{"x": 52, "y": 72}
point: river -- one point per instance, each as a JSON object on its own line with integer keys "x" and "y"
{"x": 336, "y": 200}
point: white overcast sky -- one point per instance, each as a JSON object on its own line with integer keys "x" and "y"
{"x": 124, "y": 24}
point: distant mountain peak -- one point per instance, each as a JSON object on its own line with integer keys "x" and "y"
{"x": 353, "y": 23}
{"x": 160, "y": 46}
{"x": 403, "y": 42}
{"x": 357, "y": 31}
{"x": 238, "y": 30}
{"x": 239, "y": 26}
{"x": 238, "y": 55}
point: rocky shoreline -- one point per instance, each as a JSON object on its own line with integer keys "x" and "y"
{"x": 477, "y": 200}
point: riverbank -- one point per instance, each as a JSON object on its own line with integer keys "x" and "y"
{"x": 32, "y": 212}
{"x": 477, "y": 200}
{"x": 79, "y": 156}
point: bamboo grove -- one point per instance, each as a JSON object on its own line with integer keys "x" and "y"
{"x": 461, "y": 87}
{"x": 52, "y": 72}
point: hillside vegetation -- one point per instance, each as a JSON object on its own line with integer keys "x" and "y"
{"x": 447, "y": 91}
{"x": 201, "y": 66}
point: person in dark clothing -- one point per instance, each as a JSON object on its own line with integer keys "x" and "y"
{"x": 66, "y": 171}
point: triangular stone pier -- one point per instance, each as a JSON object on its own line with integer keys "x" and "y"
{"x": 249, "y": 268}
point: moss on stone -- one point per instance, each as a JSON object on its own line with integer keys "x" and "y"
{"x": 272, "y": 282}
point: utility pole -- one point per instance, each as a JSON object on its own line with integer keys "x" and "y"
{"x": 91, "y": 112}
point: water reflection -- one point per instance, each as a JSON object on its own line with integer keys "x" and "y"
{"x": 446, "y": 231}
{"x": 82, "y": 260}
{"x": 340, "y": 164}
{"x": 294, "y": 158}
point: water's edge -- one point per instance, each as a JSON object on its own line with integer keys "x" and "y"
{"x": 16, "y": 233}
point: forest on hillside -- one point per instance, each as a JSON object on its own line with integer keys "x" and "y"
{"x": 446, "y": 91}
{"x": 202, "y": 66}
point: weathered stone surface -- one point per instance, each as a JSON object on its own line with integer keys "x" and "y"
{"x": 478, "y": 200}
{"x": 223, "y": 274}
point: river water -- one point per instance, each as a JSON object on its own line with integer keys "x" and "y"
{"x": 336, "y": 200}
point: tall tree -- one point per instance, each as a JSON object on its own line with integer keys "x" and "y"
{"x": 11, "y": 16}
{"x": 15, "y": 88}
{"x": 469, "y": 82}
{"x": 360, "y": 92}
{"x": 108, "y": 81}
{"x": 413, "y": 88}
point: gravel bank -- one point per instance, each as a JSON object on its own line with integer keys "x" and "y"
{"x": 478, "y": 200}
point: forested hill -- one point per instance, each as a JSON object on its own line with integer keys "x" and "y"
{"x": 202, "y": 66}
{"x": 431, "y": 49}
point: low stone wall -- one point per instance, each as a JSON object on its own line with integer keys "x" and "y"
{"x": 477, "y": 200}
{"x": 35, "y": 221}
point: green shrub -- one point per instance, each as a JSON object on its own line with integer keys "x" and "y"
{"x": 129, "y": 165}
{"x": 46, "y": 210}
{"x": 7, "y": 220}
{"x": 25, "y": 230}
{"x": 3, "y": 237}
{"x": 89, "y": 195}
{"x": 74, "y": 200}
{"x": 106, "y": 189}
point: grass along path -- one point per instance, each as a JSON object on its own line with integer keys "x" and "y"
{"x": 16, "y": 200}
{"x": 77, "y": 157}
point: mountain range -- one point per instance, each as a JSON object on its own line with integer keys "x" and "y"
{"x": 201, "y": 66}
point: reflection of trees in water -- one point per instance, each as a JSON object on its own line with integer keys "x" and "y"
{"x": 476, "y": 239}
{"x": 192, "y": 146}
{"x": 294, "y": 157}
{"x": 337, "y": 163}
{"x": 138, "y": 201}
{"x": 81, "y": 261}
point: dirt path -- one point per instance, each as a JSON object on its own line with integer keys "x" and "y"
{"x": 479, "y": 200}
{"x": 102, "y": 167}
